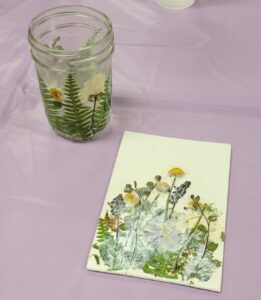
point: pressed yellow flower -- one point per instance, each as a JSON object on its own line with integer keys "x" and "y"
{"x": 191, "y": 204}
{"x": 176, "y": 171}
{"x": 194, "y": 205}
{"x": 56, "y": 93}
{"x": 162, "y": 187}
{"x": 131, "y": 198}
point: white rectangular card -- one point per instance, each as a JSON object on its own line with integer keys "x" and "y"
{"x": 164, "y": 213}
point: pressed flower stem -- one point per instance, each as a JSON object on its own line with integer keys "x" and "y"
{"x": 116, "y": 242}
{"x": 130, "y": 232}
{"x": 137, "y": 222}
{"x": 151, "y": 206}
{"x": 93, "y": 113}
{"x": 137, "y": 225}
{"x": 206, "y": 245}
{"x": 208, "y": 224}
{"x": 152, "y": 203}
{"x": 189, "y": 239}
{"x": 136, "y": 237}
{"x": 196, "y": 226}
{"x": 167, "y": 202}
{"x": 205, "y": 250}
{"x": 172, "y": 210}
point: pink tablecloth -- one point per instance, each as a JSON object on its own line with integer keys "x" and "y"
{"x": 192, "y": 74}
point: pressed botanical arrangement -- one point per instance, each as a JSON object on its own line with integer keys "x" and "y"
{"x": 77, "y": 112}
{"x": 143, "y": 230}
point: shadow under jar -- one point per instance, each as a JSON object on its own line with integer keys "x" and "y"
{"x": 72, "y": 48}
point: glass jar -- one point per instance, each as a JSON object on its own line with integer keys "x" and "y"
{"x": 176, "y": 4}
{"x": 72, "y": 48}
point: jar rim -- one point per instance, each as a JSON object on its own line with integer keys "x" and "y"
{"x": 47, "y": 14}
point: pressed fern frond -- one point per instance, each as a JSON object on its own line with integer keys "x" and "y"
{"x": 77, "y": 116}
{"x": 103, "y": 231}
{"x": 107, "y": 95}
{"x": 101, "y": 114}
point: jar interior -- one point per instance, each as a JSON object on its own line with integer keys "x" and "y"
{"x": 70, "y": 28}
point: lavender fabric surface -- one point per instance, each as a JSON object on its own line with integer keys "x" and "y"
{"x": 190, "y": 74}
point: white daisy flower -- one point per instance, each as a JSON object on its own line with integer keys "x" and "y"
{"x": 55, "y": 91}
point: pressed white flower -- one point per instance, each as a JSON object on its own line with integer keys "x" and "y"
{"x": 93, "y": 86}
{"x": 163, "y": 235}
{"x": 163, "y": 187}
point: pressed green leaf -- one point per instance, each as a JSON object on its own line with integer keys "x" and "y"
{"x": 217, "y": 262}
{"x": 222, "y": 236}
{"x": 143, "y": 191}
{"x": 202, "y": 228}
{"x": 95, "y": 246}
{"x": 150, "y": 185}
{"x": 123, "y": 227}
{"x": 57, "y": 104}
{"x": 97, "y": 258}
{"x": 212, "y": 246}
{"x": 212, "y": 218}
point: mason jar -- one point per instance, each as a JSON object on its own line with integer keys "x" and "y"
{"x": 72, "y": 48}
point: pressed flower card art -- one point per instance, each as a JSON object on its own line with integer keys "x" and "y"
{"x": 164, "y": 213}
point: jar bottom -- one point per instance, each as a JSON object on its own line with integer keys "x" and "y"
{"x": 77, "y": 140}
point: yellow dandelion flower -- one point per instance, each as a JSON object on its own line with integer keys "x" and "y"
{"x": 56, "y": 93}
{"x": 176, "y": 172}
{"x": 131, "y": 198}
{"x": 162, "y": 187}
